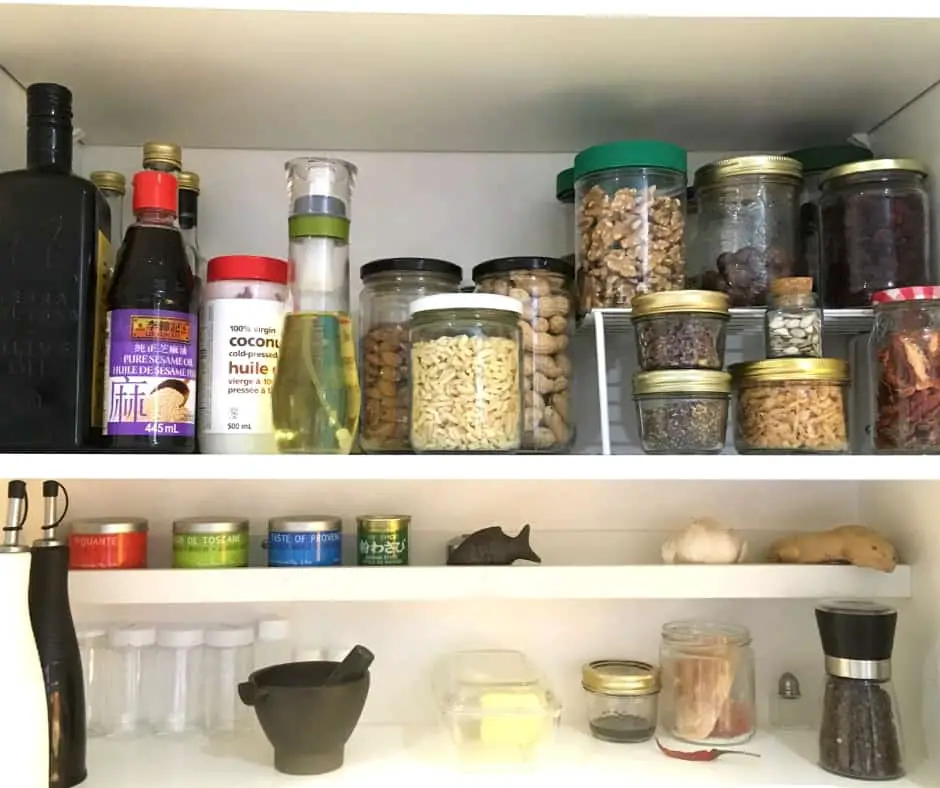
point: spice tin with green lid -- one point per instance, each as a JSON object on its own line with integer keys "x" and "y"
{"x": 382, "y": 539}
{"x": 210, "y": 542}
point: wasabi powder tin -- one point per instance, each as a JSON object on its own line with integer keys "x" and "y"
{"x": 305, "y": 540}
{"x": 210, "y": 543}
{"x": 382, "y": 539}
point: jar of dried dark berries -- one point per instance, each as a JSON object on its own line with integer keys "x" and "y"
{"x": 680, "y": 329}
{"x": 875, "y": 230}
{"x": 905, "y": 344}
{"x": 747, "y": 228}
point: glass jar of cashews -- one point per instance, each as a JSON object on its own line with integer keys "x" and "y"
{"x": 466, "y": 381}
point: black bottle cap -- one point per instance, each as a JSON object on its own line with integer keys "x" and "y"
{"x": 852, "y": 629}
{"x": 48, "y": 102}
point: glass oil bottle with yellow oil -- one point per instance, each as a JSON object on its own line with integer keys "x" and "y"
{"x": 316, "y": 395}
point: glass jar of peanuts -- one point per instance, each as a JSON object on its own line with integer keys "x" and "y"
{"x": 542, "y": 285}
{"x": 791, "y": 406}
{"x": 466, "y": 381}
{"x": 388, "y": 288}
{"x": 630, "y": 221}
{"x": 707, "y": 675}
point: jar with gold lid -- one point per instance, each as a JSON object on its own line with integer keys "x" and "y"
{"x": 791, "y": 406}
{"x": 747, "y": 227}
{"x": 680, "y": 329}
{"x": 622, "y": 699}
{"x": 875, "y": 230}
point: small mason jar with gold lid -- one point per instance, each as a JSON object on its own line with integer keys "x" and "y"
{"x": 622, "y": 699}
{"x": 747, "y": 230}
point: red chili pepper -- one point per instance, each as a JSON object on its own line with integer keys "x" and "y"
{"x": 701, "y": 755}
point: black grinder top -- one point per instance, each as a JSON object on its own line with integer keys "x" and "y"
{"x": 857, "y": 630}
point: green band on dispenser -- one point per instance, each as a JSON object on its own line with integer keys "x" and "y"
{"x": 308, "y": 226}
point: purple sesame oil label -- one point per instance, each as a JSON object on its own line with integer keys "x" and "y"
{"x": 150, "y": 388}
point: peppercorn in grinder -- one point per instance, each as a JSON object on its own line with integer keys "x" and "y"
{"x": 859, "y": 736}
{"x": 54, "y": 630}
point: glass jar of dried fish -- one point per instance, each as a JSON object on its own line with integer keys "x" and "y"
{"x": 707, "y": 683}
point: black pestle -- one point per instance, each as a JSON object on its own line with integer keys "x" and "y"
{"x": 355, "y": 664}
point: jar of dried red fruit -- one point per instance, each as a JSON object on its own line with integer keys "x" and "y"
{"x": 905, "y": 344}
{"x": 875, "y": 230}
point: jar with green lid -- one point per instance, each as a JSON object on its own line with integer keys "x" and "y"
{"x": 466, "y": 382}
{"x": 682, "y": 411}
{"x": 210, "y": 542}
{"x": 748, "y": 226}
{"x": 622, "y": 699}
{"x": 630, "y": 221}
{"x": 680, "y": 329}
{"x": 388, "y": 288}
{"x": 875, "y": 230}
{"x": 791, "y": 406}
{"x": 542, "y": 285}
{"x": 382, "y": 539}
{"x": 815, "y": 162}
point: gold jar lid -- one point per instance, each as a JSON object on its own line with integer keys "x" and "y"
{"x": 109, "y": 181}
{"x": 620, "y": 677}
{"x": 163, "y": 153}
{"x": 833, "y": 370}
{"x": 383, "y": 523}
{"x": 780, "y": 166}
{"x": 667, "y": 301}
{"x": 874, "y": 165}
{"x": 189, "y": 181}
{"x": 682, "y": 381}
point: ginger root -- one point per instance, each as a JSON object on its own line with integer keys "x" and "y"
{"x": 852, "y": 544}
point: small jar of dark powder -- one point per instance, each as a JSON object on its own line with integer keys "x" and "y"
{"x": 682, "y": 411}
{"x": 622, "y": 699}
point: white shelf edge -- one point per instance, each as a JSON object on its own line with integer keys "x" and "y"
{"x": 446, "y": 583}
{"x": 471, "y": 467}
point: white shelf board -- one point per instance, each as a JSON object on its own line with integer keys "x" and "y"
{"x": 575, "y": 467}
{"x": 390, "y": 755}
{"x": 371, "y": 81}
{"x": 441, "y": 583}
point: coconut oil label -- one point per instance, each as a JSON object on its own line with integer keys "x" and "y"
{"x": 150, "y": 387}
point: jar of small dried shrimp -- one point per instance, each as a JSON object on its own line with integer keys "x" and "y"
{"x": 542, "y": 285}
{"x": 466, "y": 382}
{"x": 791, "y": 406}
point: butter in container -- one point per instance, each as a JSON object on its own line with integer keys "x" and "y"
{"x": 495, "y": 705}
{"x": 210, "y": 542}
{"x": 305, "y": 540}
{"x": 108, "y": 543}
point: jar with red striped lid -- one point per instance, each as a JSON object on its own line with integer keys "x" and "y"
{"x": 905, "y": 347}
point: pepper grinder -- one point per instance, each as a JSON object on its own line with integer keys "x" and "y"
{"x": 54, "y": 629}
{"x": 24, "y": 726}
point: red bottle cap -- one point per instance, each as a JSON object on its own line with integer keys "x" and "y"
{"x": 155, "y": 191}
{"x": 247, "y": 266}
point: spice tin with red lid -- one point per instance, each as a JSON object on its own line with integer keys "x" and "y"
{"x": 108, "y": 543}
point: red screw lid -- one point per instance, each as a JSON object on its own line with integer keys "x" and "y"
{"x": 155, "y": 190}
{"x": 247, "y": 266}
{"x": 913, "y": 293}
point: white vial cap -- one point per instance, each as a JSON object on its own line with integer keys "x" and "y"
{"x": 273, "y": 629}
{"x": 90, "y": 632}
{"x": 230, "y": 637}
{"x": 180, "y": 637}
{"x": 133, "y": 637}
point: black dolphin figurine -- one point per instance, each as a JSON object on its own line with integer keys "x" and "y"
{"x": 493, "y": 547}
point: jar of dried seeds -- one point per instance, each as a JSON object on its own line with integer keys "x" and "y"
{"x": 682, "y": 411}
{"x": 466, "y": 386}
{"x": 388, "y": 288}
{"x": 793, "y": 322}
{"x": 681, "y": 329}
{"x": 791, "y": 406}
{"x": 542, "y": 285}
{"x": 629, "y": 236}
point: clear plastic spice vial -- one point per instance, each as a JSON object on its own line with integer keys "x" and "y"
{"x": 466, "y": 383}
{"x": 388, "y": 288}
{"x": 622, "y": 699}
{"x": 229, "y": 659}
{"x": 707, "y": 674}
{"x": 793, "y": 322}
{"x": 133, "y": 670}
{"x": 245, "y": 299}
{"x": 179, "y": 680}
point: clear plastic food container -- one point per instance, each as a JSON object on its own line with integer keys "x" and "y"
{"x": 495, "y": 705}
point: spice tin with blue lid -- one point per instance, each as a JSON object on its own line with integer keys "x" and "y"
{"x": 305, "y": 540}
